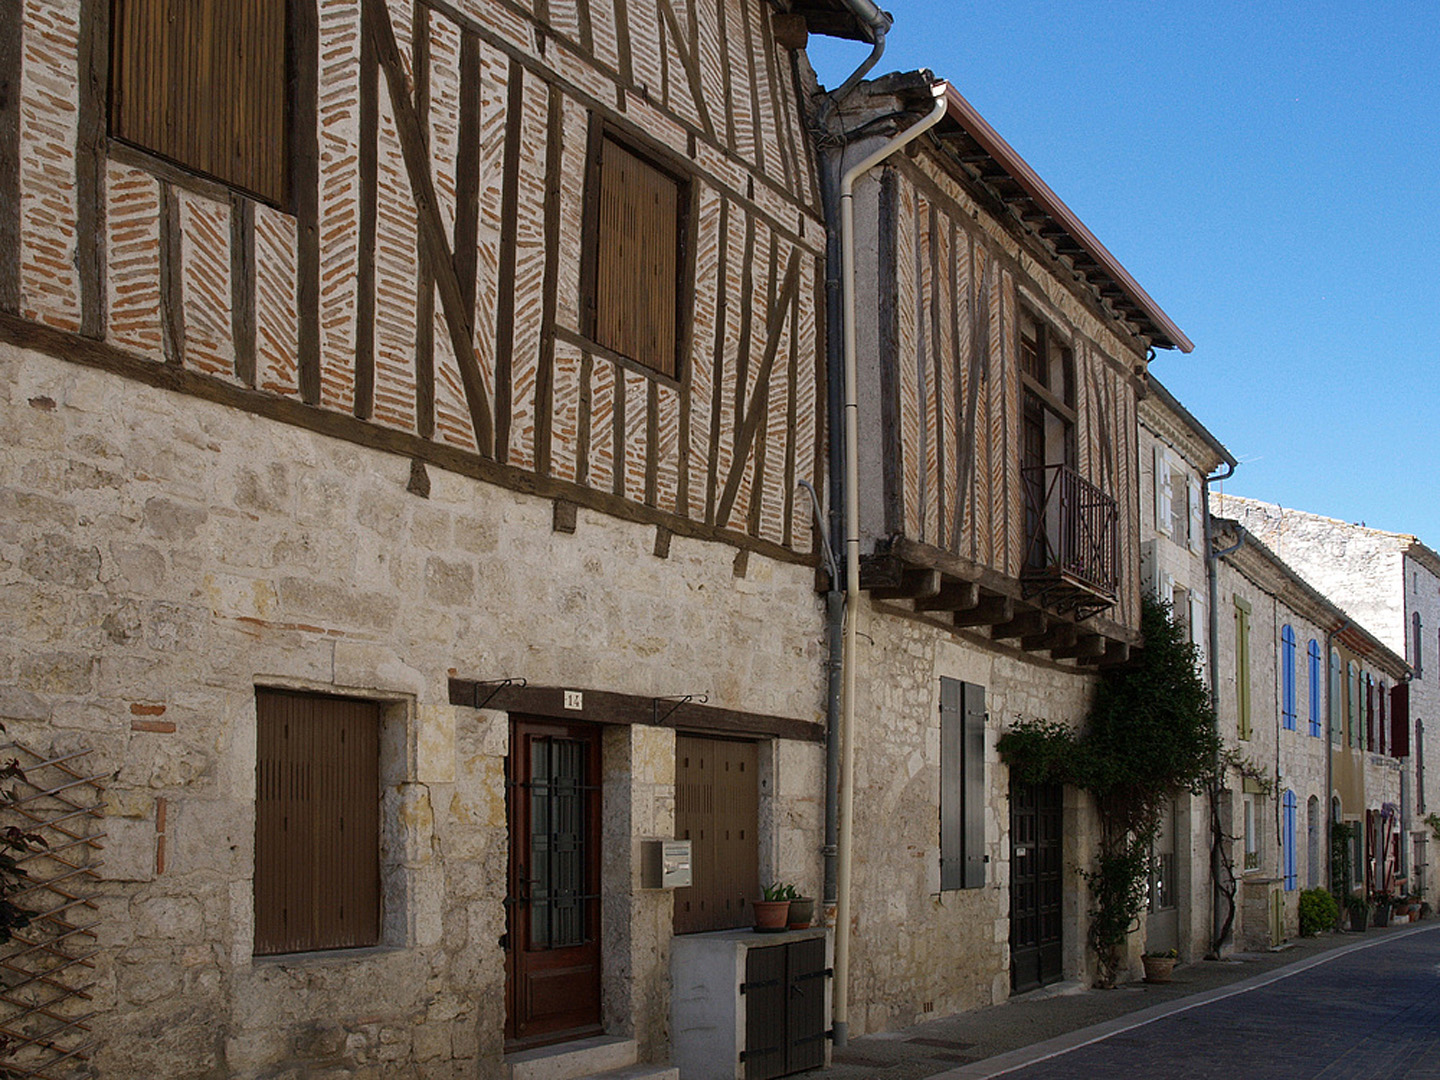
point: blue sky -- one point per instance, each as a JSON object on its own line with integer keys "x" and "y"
{"x": 1270, "y": 173}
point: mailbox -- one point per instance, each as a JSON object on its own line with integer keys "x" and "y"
{"x": 665, "y": 864}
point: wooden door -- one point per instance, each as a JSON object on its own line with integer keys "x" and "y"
{"x": 717, "y": 808}
{"x": 1036, "y": 816}
{"x": 552, "y": 957}
{"x": 1162, "y": 918}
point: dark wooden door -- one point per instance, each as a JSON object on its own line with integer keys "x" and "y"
{"x": 552, "y": 937}
{"x": 784, "y": 992}
{"x": 717, "y": 808}
{"x": 1036, "y": 816}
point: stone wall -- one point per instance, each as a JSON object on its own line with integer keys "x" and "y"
{"x": 917, "y": 949}
{"x": 163, "y": 556}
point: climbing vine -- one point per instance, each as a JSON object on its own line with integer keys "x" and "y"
{"x": 1149, "y": 736}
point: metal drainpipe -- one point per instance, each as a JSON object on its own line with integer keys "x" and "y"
{"x": 841, "y": 999}
{"x": 1212, "y": 583}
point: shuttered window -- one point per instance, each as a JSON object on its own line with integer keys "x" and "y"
{"x": 1415, "y": 628}
{"x": 1242, "y": 667}
{"x": 317, "y": 823}
{"x": 1400, "y": 730}
{"x": 1314, "y": 653}
{"x": 1288, "y": 840}
{"x": 1287, "y": 677}
{"x": 201, "y": 83}
{"x": 1352, "y": 676}
{"x": 717, "y": 808}
{"x": 1337, "y": 690}
{"x": 637, "y": 258}
{"x": 962, "y": 785}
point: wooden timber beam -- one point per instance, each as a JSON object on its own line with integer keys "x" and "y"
{"x": 953, "y": 596}
{"x": 1060, "y": 636}
{"x": 988, "y": 612}
{"x": 1115, "y": 654}
{"x": 1086, "y": 647}
{"x": 1022, "y": 624}
{"x": 914, "y": 585}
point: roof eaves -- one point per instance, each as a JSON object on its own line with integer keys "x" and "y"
{"x": 1167, "y": 334}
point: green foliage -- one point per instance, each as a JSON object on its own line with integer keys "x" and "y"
{"x": 778, "y": 890}
{"x": 1341, "y": 833}
{"x": 1318, "y": 911}
{"x": 15, "y": 844}
{"x": 1433, "y": 820}
{"x": 1149, "y": 736}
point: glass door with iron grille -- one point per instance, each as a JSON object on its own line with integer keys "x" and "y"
{"x": 552, "y": 940}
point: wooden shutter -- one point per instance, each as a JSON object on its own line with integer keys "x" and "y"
{"x": 974, "y": 786}
{"x": 717, "y": 808}
{"x": 1198, "y": 628}
{"x": 1163, "y": 493}
{"x": 317, "y": 823}
{"x": 1313, "y": 651}
{"x": 1287, "y": 677}
{"x": 1197, "y": 515}
{"x": 1288, "y": 839}
{"x": 637, "y": 259}
{"x": 202, "y": 84}
{"x": 1400, "y": 720}
{"x": 1242, "y": 667}
{"x": 1415, "y": 628}
{"x": 962, "y": 785}
{"x": 952, "y": 784}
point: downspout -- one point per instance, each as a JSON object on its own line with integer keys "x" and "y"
{"x": 1212, "y": 584}
{"x": 1330, "y": 818}
{"x": 841, "y": 999}
{"x": 878, "y": 23}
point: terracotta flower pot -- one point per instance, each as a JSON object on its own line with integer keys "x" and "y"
{"x": 1158, "y": 969}
{"x": 802, "y": 912}
{"x": 771, "y": 916}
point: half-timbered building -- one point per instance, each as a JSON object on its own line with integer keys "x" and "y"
{"x": 1001, "y": 352}
{"x": 405, "y": 409}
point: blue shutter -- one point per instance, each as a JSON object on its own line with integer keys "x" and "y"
{"x": 1314, "y": 651}
{"x": 1290, "y": 841}
{"x": 1287, "y": 672}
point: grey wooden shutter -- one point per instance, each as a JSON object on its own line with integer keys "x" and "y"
{"x": 962, "y": 785}
{"x": 974, "y": 786}
{"x": 1400, "y": 720}
{"x": 952, "y": 784}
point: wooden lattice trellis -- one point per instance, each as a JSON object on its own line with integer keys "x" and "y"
{"x": 46, "y": 969}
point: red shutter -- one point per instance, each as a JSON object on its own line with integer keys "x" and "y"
{"x": 1400, "y": 721}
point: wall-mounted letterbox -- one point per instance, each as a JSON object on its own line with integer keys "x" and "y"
{"x": 665, "y": 864}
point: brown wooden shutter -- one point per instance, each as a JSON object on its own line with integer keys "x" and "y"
{"x": 202, "y": 83}
{"x": 317, "y": 823}
{"x": 717, "y": 808}
{"x": 1400, "y": 720}
{"x": 637, "y": 259}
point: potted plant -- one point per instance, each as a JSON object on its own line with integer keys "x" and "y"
{"x": 1358, "y": 908}
{"x": 802, "y": 909}
{"x": 1382, "y": 902}
{"x": 772, "y": 911}
{"x": 1159, "y": 965}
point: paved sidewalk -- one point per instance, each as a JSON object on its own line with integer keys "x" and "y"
{"x": 1058, "y": 1016}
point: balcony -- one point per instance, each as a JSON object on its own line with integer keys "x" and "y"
{"x": 1072, "y": 542}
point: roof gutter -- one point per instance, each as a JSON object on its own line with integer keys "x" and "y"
{"x": 876, "y": 24}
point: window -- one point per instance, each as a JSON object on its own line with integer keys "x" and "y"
{"x": 1287, "y": 677}
{"x": 317, "y": 823}
{"x": 717, "y": 808}
{"x": 1180, "y": 503}
{"x": 635, "y": 293}
{"x": 1165, "y": 493}
{"x": 1337, "y": 725}
{"x": 1252, "y": 835}
{"x": 1352, "y": 683}
{"x": 1242, "y": 667}
{"x": 962, "y": 785}
{"x": 1287, "y": 840}
{"x": 201, "y": 83}
{"x": 1314, "y": 653}
{"x": 1415, "y": 638}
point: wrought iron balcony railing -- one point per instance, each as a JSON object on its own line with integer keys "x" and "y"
{"x": 1072, "y": 541}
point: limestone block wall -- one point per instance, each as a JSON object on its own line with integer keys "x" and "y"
{"x": 915, "y": 948}
{"x": 1422, "y": 594}
{"x": 162, "y": 556}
